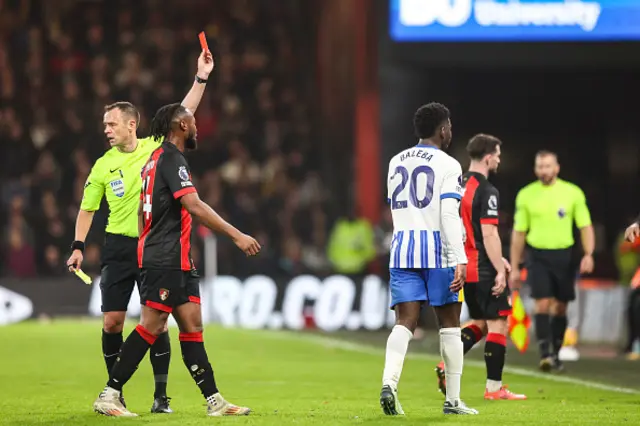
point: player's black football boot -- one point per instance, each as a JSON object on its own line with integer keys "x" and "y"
{"x": 161, "y": 405}
{"x": 389, "y": 401}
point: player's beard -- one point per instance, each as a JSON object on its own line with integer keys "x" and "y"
{"x": 547, "y": 179}
{"x": 191, "y": 143}
{"x": 446, "y": 143}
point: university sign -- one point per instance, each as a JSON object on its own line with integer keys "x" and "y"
{"x": 514, "y": 20}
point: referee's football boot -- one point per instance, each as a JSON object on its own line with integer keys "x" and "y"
{"x": 389, "y": 401}
{"x": 558, "y": 366}
{"x": 161, "y": 405}
{"x": 546, "y": 364}
{"x": 457, "y": 407}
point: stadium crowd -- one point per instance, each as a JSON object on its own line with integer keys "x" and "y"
{"x": 59, "y": 66}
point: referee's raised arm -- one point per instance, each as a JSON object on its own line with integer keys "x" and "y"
{"x": 543, "y": 222}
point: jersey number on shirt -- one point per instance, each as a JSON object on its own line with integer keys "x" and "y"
{"x": 146, "y": 205}
{"x": 413, "y": 183}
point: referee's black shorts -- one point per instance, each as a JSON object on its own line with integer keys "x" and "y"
{"x": 119, "y": 273}
{"x": 551, "y": 274}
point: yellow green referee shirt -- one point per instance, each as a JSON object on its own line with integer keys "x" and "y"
{"x": 547, "y": 212}
{"x": 117, "y": 175}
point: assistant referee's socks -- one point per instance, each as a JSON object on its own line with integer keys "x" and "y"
{"x": 132, "y": 352}
{"x": 160, "y": 355}
{"x": 111, "y": 343}
{"x": 558, "y": 329}
{"x": 543, "y": 334}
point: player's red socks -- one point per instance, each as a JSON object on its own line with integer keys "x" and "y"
{"x": 471, "y": 335}
{"x": 111, "y": 343}
{"x": 495, "y": 350}
{"x": 195, "y": 358}
{"x": 132, "y": 352}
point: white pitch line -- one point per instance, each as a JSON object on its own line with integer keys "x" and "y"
{"x": 369, "y": 350}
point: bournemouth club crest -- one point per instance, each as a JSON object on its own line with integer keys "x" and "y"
{"x": 164, "y": 294}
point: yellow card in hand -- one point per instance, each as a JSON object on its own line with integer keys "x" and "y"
{"x": 84, "y": 277}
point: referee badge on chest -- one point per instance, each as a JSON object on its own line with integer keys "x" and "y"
{"x": 562, "y": 212}
{"x": 117, "y": 186}
{"x": 164, "y": 294}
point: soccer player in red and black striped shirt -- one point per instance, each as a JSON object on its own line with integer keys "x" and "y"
{"x": 485, "y": 289}
{"x": 169, "y": 281}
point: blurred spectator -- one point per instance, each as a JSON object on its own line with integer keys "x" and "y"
{"x": 351, "y": 245}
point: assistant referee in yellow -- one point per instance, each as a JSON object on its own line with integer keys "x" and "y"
{"x": 545, "y": 212}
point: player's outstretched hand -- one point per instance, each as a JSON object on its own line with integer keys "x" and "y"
{"x": 500, "y": 284}
{"x": 247, "y": 244}
{"x": 75, "y": 260}
{"x": 632, "y": 232}
{"x": 205, "y": 64}
{"x": 459, "y": 278}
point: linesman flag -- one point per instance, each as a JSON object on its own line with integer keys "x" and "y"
{"x": 519, "y": 323}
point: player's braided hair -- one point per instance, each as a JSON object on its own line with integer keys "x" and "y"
{"x": 161, "y": 123}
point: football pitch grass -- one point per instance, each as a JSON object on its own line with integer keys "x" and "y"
{"x": 51, "y": 373}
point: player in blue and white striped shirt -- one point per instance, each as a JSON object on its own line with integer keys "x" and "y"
{"x": 427, "y": 262}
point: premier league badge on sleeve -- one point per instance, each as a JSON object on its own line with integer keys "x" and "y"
{"x": 183, "y": 173}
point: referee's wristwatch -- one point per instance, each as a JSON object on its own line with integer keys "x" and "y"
{"x": 77, "y": 245}
{"x": 201, "y": 80}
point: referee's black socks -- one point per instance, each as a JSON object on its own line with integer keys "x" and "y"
{"x": 195, "y": 358}
{"x": 111, "y": 343}
{"x": 160, "y": 355}
{"x": 543, "y": 334}
{"x": 558, "y": 328}
{"x": 133, "y": 350}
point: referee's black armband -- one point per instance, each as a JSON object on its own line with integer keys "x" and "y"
{"x": 77, "y": 245}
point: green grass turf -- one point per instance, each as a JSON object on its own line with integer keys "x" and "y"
{"x": 51, "y": 373}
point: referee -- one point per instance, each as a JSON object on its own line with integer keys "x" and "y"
{"x": 117, "y": 176}
{"x": 545, "y": 212}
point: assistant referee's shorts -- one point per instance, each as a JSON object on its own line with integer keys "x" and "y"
{"x": 551, "y": 274}
{"x": 120, "y": 271}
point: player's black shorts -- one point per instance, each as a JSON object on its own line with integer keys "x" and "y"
{"x": 119, "y": 271}
{"x": 551, "y": 274}
{"x": 164, "y": 289}
{"x": 482, "y": 304}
